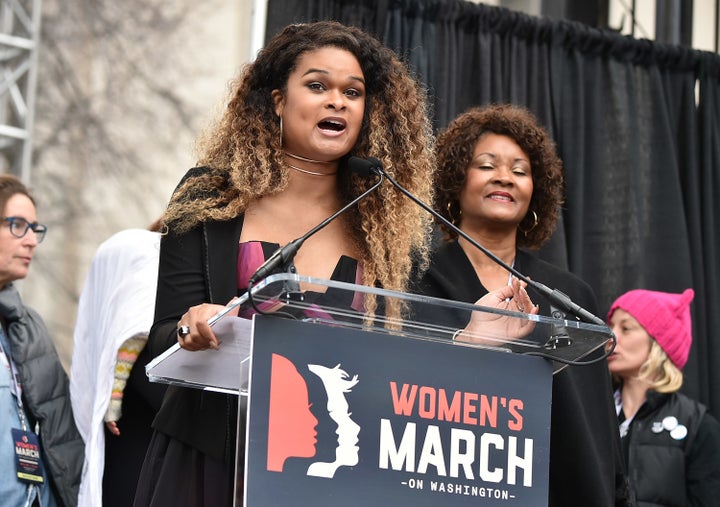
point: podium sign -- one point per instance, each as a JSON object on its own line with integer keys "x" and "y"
{"x": 355, "y": 418}
{"x": 356, "y": 407}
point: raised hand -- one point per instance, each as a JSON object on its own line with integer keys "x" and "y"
{"x": 494, "y": 329}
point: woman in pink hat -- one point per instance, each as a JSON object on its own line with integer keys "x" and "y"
{"x": 670, "y": 442}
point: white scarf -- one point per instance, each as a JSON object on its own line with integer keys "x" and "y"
{"x": 117, "y": 302}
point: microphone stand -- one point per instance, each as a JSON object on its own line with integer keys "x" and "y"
{"x": 555, "y": 296}
{"x": 282, "y": 259}
{"x": 560, "y": 337}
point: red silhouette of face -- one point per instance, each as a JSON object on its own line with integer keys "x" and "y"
{"x": 291, "y": 425}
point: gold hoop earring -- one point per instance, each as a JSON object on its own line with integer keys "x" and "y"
{"x": 535, "y": 223}
{"x": 453, "y": 219}
{"x": 281, "y": 142}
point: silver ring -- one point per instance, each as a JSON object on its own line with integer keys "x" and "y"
{"x": 183, "y": 331}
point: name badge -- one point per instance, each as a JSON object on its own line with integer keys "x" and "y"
{"x": 27, "y": 456}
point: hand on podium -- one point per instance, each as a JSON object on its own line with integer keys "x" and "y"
{"x": 194, "y": 332}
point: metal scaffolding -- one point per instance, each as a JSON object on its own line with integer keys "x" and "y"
{"x": 19, "y": 41}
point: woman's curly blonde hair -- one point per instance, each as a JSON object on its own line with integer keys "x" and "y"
{"x": 245, "y": 159}
{"x": 455, "y": 147}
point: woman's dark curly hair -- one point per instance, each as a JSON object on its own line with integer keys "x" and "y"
{"x": 246, "y": 161}
{"x": 454, "y": 151}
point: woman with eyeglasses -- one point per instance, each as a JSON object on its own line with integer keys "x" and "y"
{"x": 34, "y": 389}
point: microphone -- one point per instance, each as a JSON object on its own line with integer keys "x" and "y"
{"x": 556, "y": 297}
{"x": 282, "y": 259}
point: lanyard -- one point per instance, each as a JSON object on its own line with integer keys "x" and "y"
{"x": 15, "y": 384}
{"x": 33, "y": 490}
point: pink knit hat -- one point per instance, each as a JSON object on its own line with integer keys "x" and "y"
{"x": 665, "y": 316}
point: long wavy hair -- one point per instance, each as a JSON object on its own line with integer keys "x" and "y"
{"x": 455, "y": 147}
{"x": 245, "y": 158}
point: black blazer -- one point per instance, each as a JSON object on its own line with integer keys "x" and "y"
{"x": 585, "y": 459}
{"x": 197, "y": 267}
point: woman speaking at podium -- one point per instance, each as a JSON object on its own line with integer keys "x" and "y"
{"x": 273, "y": 167}
{"x": 499, "y": 179}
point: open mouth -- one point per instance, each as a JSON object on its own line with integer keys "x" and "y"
{"x": 334, "y": 126}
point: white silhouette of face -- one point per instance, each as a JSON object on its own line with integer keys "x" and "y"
{"x": 336, "y": 384}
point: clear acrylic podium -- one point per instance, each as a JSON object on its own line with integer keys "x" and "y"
{"x": 297, "y": 304}
{"x": 427, "y": 318}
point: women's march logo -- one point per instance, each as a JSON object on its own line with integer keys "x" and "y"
{"x": 424, "y": 422}
{"x": 292, "y": 425}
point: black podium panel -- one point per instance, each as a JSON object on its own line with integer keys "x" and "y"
{"x": 363, "y": 418}
{"x": 348, "y": 407}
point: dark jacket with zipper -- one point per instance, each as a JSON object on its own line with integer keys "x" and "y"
{"x": 667, "y": 471}
{"x": 45, "y": 395}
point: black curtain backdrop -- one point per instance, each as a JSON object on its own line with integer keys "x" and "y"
{"x": 641, "y": 150}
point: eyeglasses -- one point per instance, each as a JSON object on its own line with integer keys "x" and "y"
{"x": 19, "y": 228}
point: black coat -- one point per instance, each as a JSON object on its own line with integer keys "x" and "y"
{"x": 585, "y": 459}
{"x": 197, "y": 267}
{"x": 673, "y": 471}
